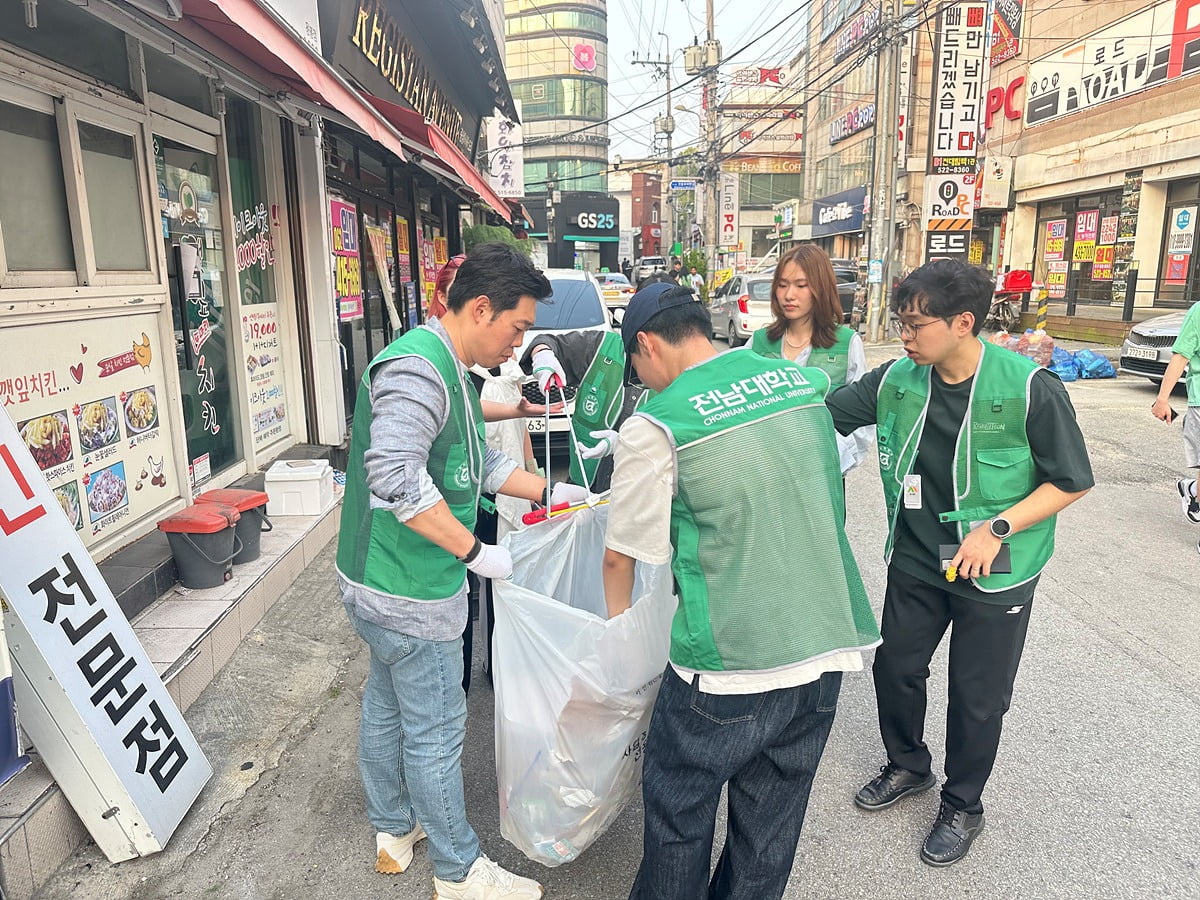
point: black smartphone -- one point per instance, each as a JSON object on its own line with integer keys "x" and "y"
{"x": 1001, "y": 565}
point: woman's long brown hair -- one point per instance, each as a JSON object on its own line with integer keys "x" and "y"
{"x": 827, "y": 308}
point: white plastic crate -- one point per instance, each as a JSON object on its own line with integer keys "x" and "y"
{"x": 299, "y": 487}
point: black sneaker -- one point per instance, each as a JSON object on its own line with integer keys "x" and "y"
{"x": 891, "y": 784}
{"x": 951, "y": 835}
{"x": 1191, "y": 506}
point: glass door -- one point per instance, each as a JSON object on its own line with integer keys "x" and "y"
{"x": 190, "y": 216}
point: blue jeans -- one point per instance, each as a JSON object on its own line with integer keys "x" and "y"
{"x": 766, "y": 747}
{"x": 414, "y": 716}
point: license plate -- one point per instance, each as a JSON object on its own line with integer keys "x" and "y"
{"x": 1141, "y": 353}
{"x": 535, "y": 425}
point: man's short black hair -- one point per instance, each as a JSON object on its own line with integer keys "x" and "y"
{"x": 944, "y": 288}
{"x": 675, "y": 324}
{"x": 500, "y": 271}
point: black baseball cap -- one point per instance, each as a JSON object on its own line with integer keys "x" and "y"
{"x": 648, "y": 303}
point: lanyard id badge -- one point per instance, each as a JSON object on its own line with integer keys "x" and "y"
{"x": 912, "y": 491}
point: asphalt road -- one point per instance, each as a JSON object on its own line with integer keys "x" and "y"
{"x": 1093, "y": 795}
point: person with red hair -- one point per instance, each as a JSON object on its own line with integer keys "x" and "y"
{"x": 445, "y": 278}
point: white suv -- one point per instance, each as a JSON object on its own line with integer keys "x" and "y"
{"x": 577, "y": 304}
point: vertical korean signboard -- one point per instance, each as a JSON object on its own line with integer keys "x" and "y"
{"x": 959, "y": 72}
{"x": 727, "y": 214}
{"x": 1006, "y": 29}
{"x": 506, "y": 156}
{"x": 347, "y": 269}
{"x": 89, "y": 696}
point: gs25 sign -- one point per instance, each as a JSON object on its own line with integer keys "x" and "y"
{"x": 600, "y": 221}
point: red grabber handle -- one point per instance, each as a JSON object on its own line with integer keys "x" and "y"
{"x": 539, "y": 515}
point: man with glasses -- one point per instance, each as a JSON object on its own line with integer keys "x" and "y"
{"x": 978, "y": 451}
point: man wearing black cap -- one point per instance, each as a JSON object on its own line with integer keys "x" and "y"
{"x": 772, "y": 608}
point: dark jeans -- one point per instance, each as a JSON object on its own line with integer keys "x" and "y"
{"x": 985, "y": 650}
{"x": 766, "y": 747}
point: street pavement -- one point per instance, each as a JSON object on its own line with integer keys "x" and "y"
{"x": 1093, "y": 795}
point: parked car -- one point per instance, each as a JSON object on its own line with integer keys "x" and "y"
{"x": 616, "y": 289}
{"x": 1147, "y": 349}
{"x": 647, "y": 265}
{"x": 740, "y": 307}
{"x": 576, "y": 304}
{"x": 847, "y": 287}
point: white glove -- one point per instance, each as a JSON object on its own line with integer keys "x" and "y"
{"x": 571, "y": 494}
{"x": 548, "y": 370}
{"x": 492, "y": 561}
{"x": 606, "y": 444}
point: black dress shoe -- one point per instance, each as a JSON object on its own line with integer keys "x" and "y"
{"x": 890, "y": 785}
{"x": 951, "y": 835}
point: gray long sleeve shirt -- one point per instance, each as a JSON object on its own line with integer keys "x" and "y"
{"x": 409, "y": 408}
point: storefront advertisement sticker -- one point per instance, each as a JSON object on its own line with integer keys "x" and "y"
{"x": 347, "y": 276}
{"x": 268, "y": 411}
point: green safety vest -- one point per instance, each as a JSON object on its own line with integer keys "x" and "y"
{"x": 374, "y": 548}
{"x": 598, "y": 403}
{"x": 833, "y": 361}
{"x": 764, "y": 582}
{"x": 994, "y": 466}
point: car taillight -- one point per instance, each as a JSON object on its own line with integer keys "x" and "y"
{"x": 744, "y": 304}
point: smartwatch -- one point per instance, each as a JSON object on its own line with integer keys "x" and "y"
{"x": 1000, "y": 527}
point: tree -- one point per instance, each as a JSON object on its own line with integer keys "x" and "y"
{"x": 482, "y": 234}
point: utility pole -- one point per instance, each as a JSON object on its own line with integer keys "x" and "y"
{"x": 706, "y": 60}
{"x": 665, "y": 125}
{"x": 883, "y": 177}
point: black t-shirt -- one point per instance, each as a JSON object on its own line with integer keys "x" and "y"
{"x": 1059, "y": 455}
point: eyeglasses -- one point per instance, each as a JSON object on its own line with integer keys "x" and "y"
{"x": 911, "y": 328}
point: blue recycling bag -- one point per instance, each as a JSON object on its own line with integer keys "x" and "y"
{"x": 1092, "y": 365}
{"x": 1062, "y": 364}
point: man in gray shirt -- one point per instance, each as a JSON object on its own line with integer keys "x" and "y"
{"x": 418, "y": 463}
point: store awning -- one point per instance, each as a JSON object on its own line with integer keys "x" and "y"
{"x": 425, "y": 134}
{"x": 255, "y": 33}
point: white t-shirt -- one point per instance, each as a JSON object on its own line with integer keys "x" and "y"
{"x": 639, "y": 526}
{"x": 853, "y": 447}
{"x": 697, "y": 282}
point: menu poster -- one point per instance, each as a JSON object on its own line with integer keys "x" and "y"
{"x": 86, "y": 399}
{"x": 403, "y": 249}
{"x": 347, "y": 270}
{"x": 264, "y": 377}
{"x": 429, "y": 268}
{"x": 441, "y": 251}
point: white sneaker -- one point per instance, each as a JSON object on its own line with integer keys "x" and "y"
{"x": 487, "y": 881}
{"x": 1187, "y": 497}
{"x": 394, "y": 853}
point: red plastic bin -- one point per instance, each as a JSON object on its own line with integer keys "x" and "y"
{"x": 253, "y": 507}
{"x": 204, "y": 541}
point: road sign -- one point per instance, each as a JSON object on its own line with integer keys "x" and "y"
{"x": 683, "y": 184}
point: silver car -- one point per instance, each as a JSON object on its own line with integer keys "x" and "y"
{"x": 740, "y": 307}
{"x": 1147, "y": 349}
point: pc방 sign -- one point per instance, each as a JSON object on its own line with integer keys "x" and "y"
{"x": 727, "y": 213}
{"x": 89, "y": 696}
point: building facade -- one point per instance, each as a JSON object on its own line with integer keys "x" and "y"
{"x": 1092, "y": 152}
{"x": 204, "y": 227}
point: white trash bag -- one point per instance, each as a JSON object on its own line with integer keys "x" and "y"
{"x": 574, "y": 691}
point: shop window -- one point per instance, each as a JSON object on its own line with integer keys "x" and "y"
{"x": 71, "y": 37}
{"x": 110, "y": 174}
{"x": 769, "y": 189}
{"x": 254, "y": 225}
{"x": 175, "y": 81}
{"x": 372, "y": 171}
{"x": 34, "y": 220}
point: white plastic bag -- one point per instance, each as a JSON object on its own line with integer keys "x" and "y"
{"x": 574, "y": 691}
